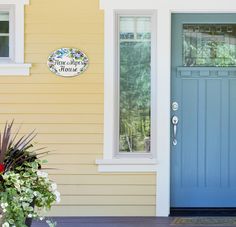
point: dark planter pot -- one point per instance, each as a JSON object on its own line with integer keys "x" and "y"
{"x": 28, "y": 221}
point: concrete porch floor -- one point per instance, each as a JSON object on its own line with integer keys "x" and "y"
{"x": 117, "y": 222}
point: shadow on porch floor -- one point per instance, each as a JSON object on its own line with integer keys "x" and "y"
{"x": 118, "y": 222}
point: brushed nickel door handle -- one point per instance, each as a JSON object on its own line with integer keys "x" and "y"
{"x": 175, "y": 121}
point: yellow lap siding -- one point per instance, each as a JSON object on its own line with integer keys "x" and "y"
{"x": 52, "y": 98}
{"x": 52, "y": 89}
{"x": 50, "y": 44}
{"x": 49, "y": 119}
{"x": 125, "y": 190}
{"x": 136, "y": 210}
{"x": 107, "y": 200}
{"x": 106, "y": 179}
{"x": 84, "y": 128}
{"x": 63, "y": 108}
{"x": 67, "y": 113}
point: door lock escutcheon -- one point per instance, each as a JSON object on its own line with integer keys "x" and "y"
{"x": 175, "y": 106}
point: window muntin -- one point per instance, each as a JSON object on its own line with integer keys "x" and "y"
{"x": 4, "y": 34}
{"x": 209, "y": 45}
{"x": 134, "y": 84}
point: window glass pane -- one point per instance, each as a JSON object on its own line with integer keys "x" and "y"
{"x": 4, "y": 27}
{"x": 4, "y": 34}
{"x": 4, "y": 22}
{"x": 209, "y": 44}
{"x": 127, "y": 27}
{"x": 135, "y": 84}
{"x": 4, "y": 46}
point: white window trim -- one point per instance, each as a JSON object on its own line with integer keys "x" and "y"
{"x": 114, "y": 161}
{"x": 14, "y": 65}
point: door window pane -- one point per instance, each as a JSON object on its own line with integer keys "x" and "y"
{"x": 135, "y": 84}
{"x": 4, "y": 34}
{"x": 209, "y": 44}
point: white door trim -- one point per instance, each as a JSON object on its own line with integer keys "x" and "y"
{"x": 164, "y": 9}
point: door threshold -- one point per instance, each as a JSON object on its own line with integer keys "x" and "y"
{"x": 203, "y": 211}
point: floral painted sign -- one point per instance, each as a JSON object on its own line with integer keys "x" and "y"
{"x": 68, "y": 62}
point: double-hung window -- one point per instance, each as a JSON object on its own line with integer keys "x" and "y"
{"x": 12, "y": 38}
{"x": 129, "y": 118}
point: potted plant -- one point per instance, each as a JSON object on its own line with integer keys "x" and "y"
{"x": 26, "y": 192}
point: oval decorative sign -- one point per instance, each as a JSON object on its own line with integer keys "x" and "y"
{"x": 68, "y": 62}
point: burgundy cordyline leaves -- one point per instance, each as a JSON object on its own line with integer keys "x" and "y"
{"x": 14, "y": 150}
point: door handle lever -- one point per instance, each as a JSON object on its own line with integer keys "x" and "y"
{"x": 175, "y": 121}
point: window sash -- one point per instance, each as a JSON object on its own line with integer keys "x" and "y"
{"x": 150, "y": 15}
{"x": 10, "y": 11}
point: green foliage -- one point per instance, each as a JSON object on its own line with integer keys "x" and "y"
{"x": 23, "y": 185}
{"x": 135, "y": 95}
{"x": 21, "y": 189}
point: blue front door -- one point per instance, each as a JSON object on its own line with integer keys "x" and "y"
{"x": 203, "y": 110}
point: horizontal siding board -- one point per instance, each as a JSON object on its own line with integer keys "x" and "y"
{"x": 107, "y": 200}
{"x": 56, "y": 28}
{"x": 106, "y": 179}
{"x": 52, "y": 98}
{"x": 64, "y": 38}
{"x": 49, "y": 46}
{"x": 102, "y": 211}
{"x": 74, "y": 149}
{"x": 36, "y": 45}
{"x": 72, "y": 159}
{"x": 36, "y": 18}
{"x": 126, "y": 190}
{"x": 50, "y": 78}
{"x": 45, "y": 4}
{"x": 51, "y": 119}
{"x": 71, "y": 169}
{"x": 52, "y": 108}
{"x": 70, "y": 138}
{"x": 51, "y": 89}
{"x": 58, "y": 128}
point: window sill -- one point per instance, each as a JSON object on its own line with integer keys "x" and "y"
{"x": 14, "y": 69}
{"x": 127, "y": 165}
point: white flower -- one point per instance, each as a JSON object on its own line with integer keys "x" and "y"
{"x": 41, "y": 218}
{"x": 6, "y": 224}
{"x": 30, "y": 215}
{"x": 35, "y": 193}
{"x": 58, "y": 196}
{"x": 42, "y": 174}
{"x": 4, "y": 205}
{"x": 54, "y": 186}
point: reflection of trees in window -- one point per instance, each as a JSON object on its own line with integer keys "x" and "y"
{"x": 209, "y": 45}
{"x": 135, "y": 94}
